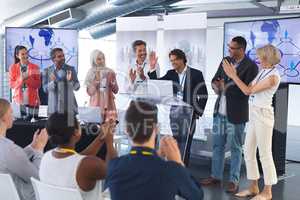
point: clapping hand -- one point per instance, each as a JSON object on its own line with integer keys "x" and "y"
{"x": 229, "y": 69}
{"x": 52, "y": 77}
{"x": 69, "y": 75}
{"x": 39, "y": 140}
{"x": 140, "y": 71}
{"x": 132, "y": 75}
{"x": 108, "y": 129}
{"x": 97, "y": 78}
{"x": 24, "y": 76}
{"x": 169, "y": 148}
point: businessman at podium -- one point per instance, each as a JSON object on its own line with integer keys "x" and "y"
{"x": 190, "y": 87}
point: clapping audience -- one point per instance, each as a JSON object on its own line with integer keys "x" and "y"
{"x": 21, "y": 164}
{"x": 64, "y": 167}
{"x": 145, "y": 173}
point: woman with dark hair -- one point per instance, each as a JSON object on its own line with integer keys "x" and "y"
{"x": 25, "y": 81}
{"x": 20, "y": 163}
{"x": 64, "y": 167}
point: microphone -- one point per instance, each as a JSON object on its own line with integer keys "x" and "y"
{"x": 23, "y": 68}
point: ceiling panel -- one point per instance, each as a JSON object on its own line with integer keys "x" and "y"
{"x": 10, "y": 8}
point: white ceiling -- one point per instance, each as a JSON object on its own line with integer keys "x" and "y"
{"x": 9, "y": 8}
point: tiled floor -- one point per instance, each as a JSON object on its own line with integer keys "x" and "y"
{"x": 286, "y": 189}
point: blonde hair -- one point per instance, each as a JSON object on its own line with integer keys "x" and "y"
{"x": 4, "y": 106}
{"x": 269, "y": 53}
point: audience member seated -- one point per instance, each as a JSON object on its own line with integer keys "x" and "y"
{"x": 146, "y": 173}
{"x": 20, "y": 163}
{"x": 64, "y": 167}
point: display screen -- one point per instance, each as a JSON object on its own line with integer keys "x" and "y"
{"x": 282, "y": 33}
{"x": 39, "y": 42}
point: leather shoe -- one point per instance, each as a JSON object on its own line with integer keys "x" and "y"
{"x": 232, "y": 187}
{"x": 210, "y": 181}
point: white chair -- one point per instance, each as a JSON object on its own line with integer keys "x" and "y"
{"x": 8, "y": 189}
{"x": 44, "y": 191}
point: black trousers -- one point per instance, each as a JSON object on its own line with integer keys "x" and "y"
{"x": 183, "y": 128}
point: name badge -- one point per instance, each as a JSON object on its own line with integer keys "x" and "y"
{"x": 180, "y": 95}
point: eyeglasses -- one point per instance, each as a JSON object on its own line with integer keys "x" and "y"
{"x": 233, "y": 48}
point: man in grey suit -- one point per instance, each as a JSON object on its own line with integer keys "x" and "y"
{"x": 59, "y": 82}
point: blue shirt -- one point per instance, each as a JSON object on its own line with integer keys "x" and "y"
{"x": 142, "y": 174}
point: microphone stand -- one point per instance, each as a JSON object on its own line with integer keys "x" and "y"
{"x": 33, "y": 120}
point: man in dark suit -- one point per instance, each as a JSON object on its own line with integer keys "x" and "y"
{"x": 230, "y": 115}
{"x": 189, "y": 86}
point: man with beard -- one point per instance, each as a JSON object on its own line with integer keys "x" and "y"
{"x": 189, "y": 86}
{"x": 230, "y": 115}
{"x": 142, "y": 67}
{"x": 59, "y": 82}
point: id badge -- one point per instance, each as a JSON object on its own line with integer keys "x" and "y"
{"x": 251, "y": 98}
{"x": 180, "y": 95}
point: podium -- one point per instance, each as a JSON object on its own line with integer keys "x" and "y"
{"x": 174, "y": 115}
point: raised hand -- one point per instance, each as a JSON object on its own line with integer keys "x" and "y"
{"x": 152, "y": 60}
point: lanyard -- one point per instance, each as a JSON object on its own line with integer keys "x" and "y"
{"x": 144, "y": 153}
{"x": 262, "y": 75}
{"x": 65, "y": 150}
{"x": 143, "y": 65}
{"x": 182, "y": 80}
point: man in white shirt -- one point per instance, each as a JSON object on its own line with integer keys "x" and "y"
{"x": 140, "y": 70}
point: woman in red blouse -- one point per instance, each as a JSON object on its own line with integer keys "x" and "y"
{"x": 25, "y": 81}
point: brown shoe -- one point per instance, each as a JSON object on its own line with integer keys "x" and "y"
{"x": 210, "y": 181}
{"x": 232, "y": 187}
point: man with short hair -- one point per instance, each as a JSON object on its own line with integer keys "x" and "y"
{"x": 144, "y": 173}
{"x": 141, "y": 68}
{"x": 231, "y": 114}
{"x": 59, "y": 81}
{"x": 189, "y": 86}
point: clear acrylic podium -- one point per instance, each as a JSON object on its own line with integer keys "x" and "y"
{"x": 174, "y": 116}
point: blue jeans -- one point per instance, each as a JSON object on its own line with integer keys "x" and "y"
{"x": 224, "y": 131}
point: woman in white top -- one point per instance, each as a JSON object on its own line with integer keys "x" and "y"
{"x": 20, "y": 163}
{"x": 64, "y": 167}
{"x": 260, "y": 127}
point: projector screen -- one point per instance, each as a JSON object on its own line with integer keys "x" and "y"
{"x": 39, "y": 42}
{"x": 282, "y": 33}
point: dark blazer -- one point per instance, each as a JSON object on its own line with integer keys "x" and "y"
{"x": 236, "y": 101}
{"x": 195, "y": 91}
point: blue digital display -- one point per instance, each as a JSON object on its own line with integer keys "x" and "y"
{"x": 282, "y": 33}
{"x": 39, "y": 42}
